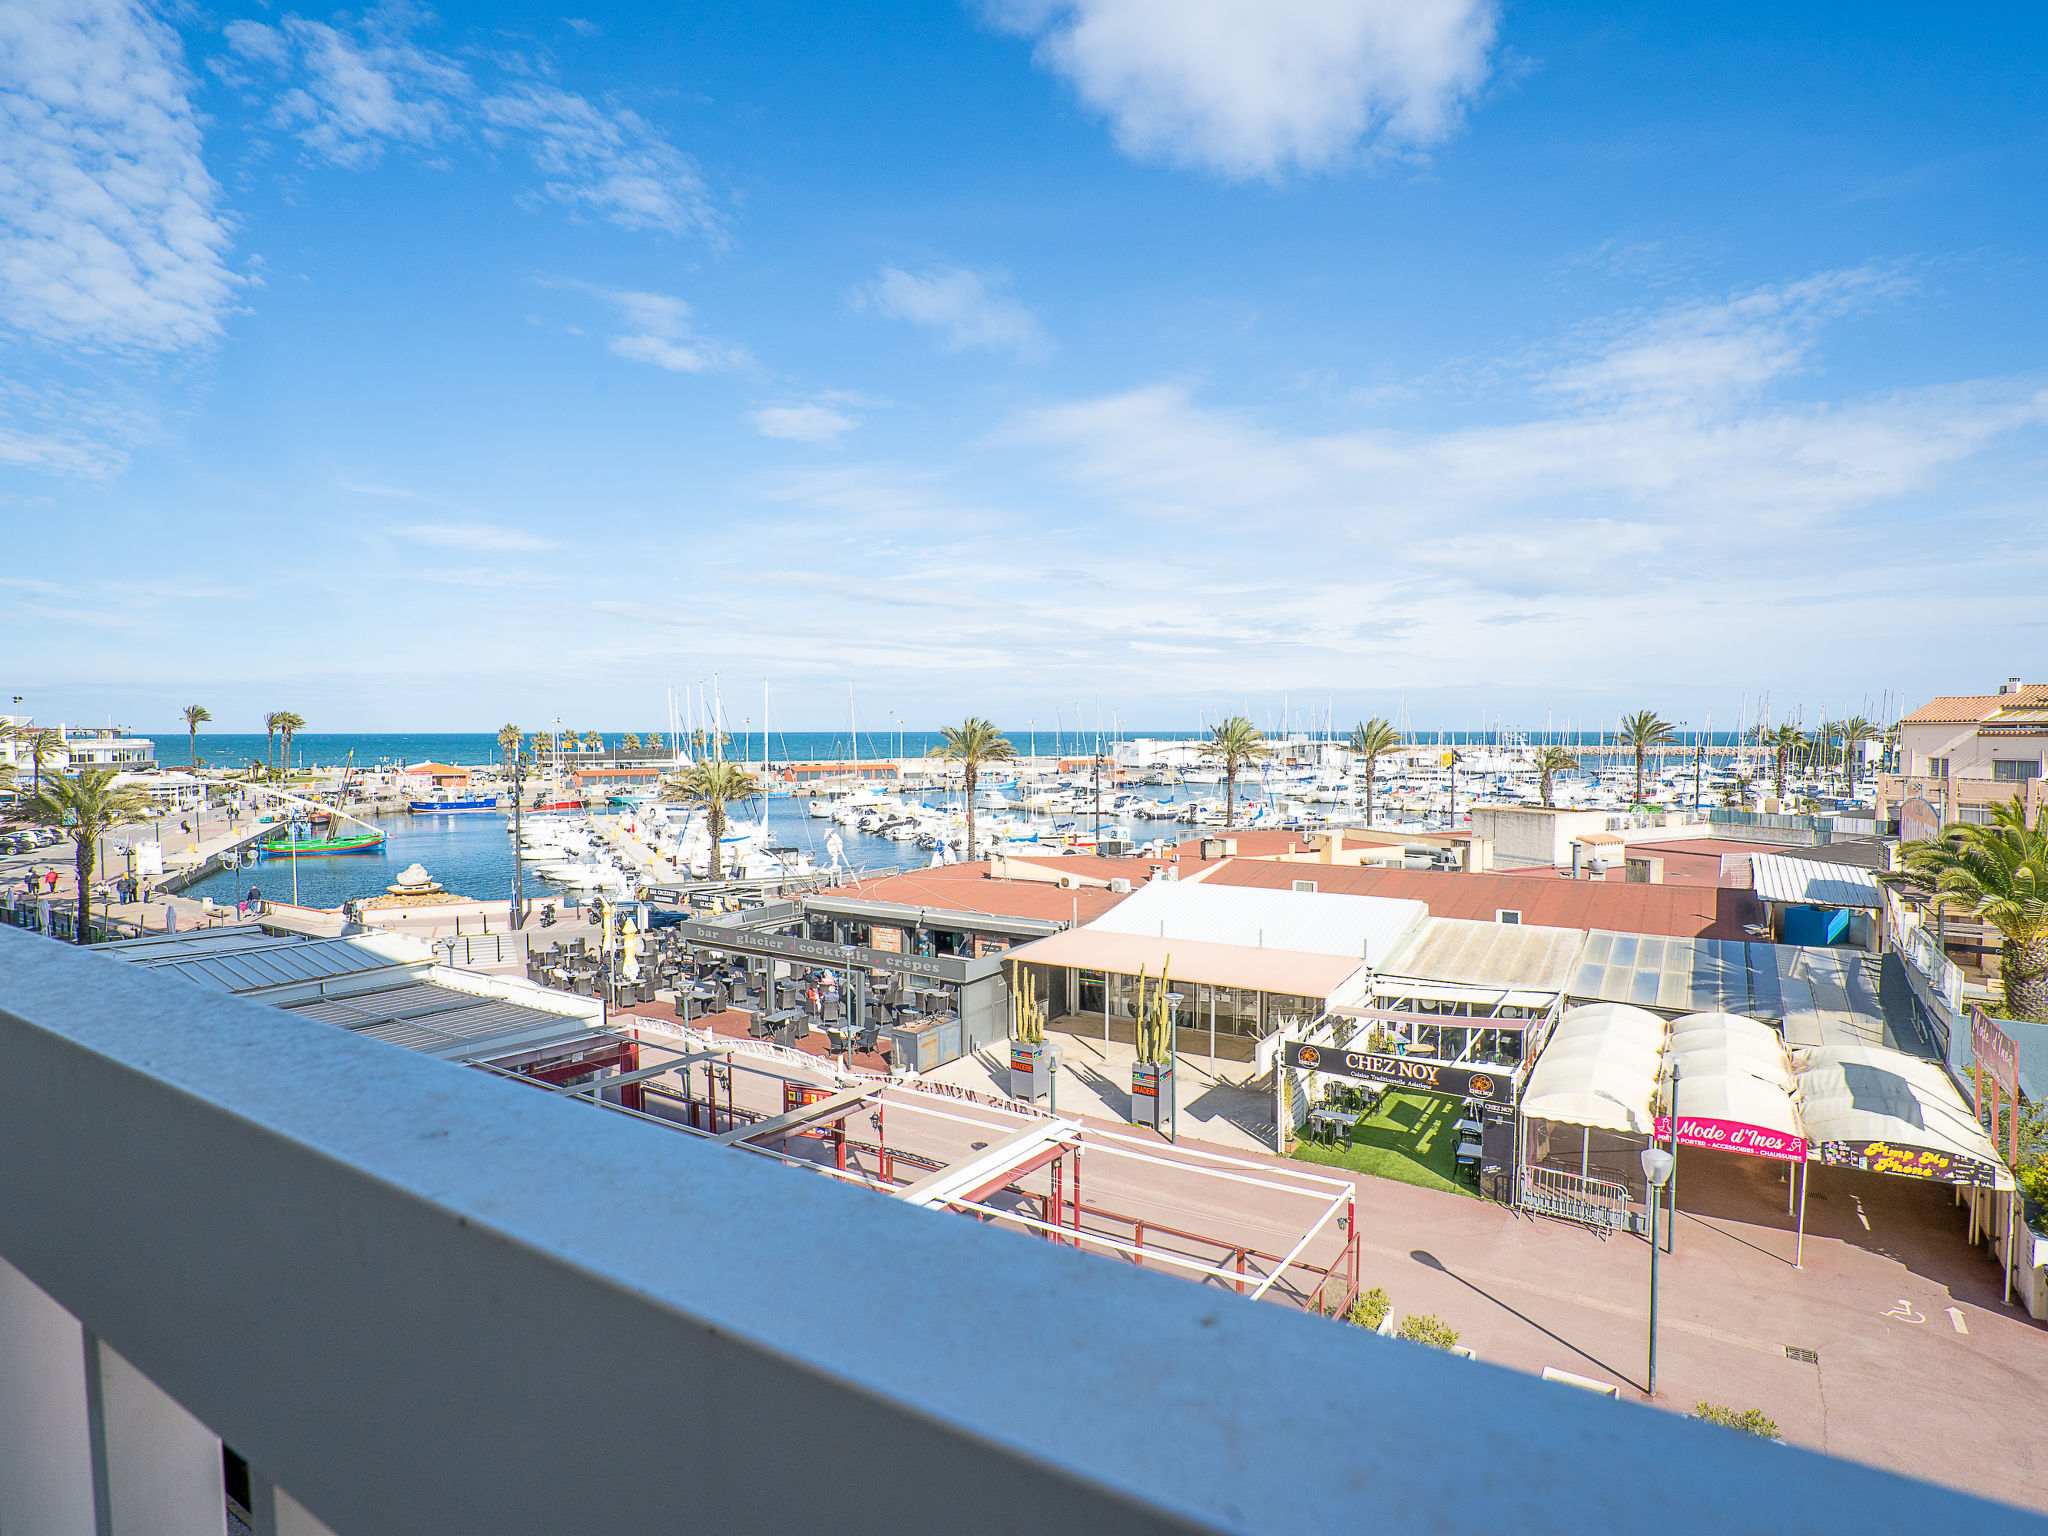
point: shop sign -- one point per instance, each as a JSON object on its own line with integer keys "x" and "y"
{"x": 1733, "y": 1136}
{"x": 1994, "y": 1051}
{"x": 1913, "y": 1162}
{"x": 1408, "y": 1071}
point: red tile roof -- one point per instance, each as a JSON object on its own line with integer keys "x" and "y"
{"x": 968, "y": 888}
{"x": 1683, "y": 911}
{"x": 1968, "y": 708}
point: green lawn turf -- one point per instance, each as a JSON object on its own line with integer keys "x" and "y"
{"x": 1412, "y": 1137}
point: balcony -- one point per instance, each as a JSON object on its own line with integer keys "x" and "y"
{"x": 415, "y": 1297}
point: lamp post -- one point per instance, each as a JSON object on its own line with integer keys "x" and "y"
{"x": 1657, "y": 1166}
{"x": 1173, "y": 1002}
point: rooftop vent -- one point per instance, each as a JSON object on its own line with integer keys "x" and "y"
{"x": 2012, "y": 685}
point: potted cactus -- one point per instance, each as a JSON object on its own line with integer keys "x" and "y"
{"x": 1152, "y": 1072}
{"x": 1034, "y": 1064}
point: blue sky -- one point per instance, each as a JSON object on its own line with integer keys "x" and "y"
{"x": 426, "y": 369}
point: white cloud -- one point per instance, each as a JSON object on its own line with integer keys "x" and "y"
{"x": 958, "y": 304}
{"x": 1647, "y": 464}
{"x": 360, "y": 86}
{"x": 658, "y": 330}
{"x": 111, "y": 233}
{"x": 808, "y": 423}
{"x": 615, "y": 164}
{"x": 1258, "y": 89}
{"x": 484, "y": 536}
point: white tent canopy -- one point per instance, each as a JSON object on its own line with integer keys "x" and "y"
{"x": 1870, "y": 1106}
{"x": 1599, "y": 1069}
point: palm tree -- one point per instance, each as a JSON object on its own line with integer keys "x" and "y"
{"x": 1237, "y": 742}
{"x": 87, "y": 806}
{"x": 510, "y": 740}
{"x": 1995, "y": 872}
{"x": 1550, "y": 762}
{"x": 196, "y": 715}
{"x": 1783, "y": 743}
{"x": 593, "y": 742}
{"x": 629, "y": 742}
{"x": 971, "y": 743}
{"x": 1372, "y": 740}
{"x": 1852, "y": 733}
{"x": 42, "y": 746}
{"x": 288, "y": 725}
{"x": 1642, "y": 733}
{"x": 713, "y": 785}
{"x": 271, "y": 722}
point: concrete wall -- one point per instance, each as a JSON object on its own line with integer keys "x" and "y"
{"x": 1524, "y": 835}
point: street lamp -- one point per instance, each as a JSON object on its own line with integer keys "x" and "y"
{"x": 1173, "y": 1002}
{"x": 1657, "y": 1166}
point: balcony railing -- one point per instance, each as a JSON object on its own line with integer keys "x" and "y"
{"x": 422, "y": 1299}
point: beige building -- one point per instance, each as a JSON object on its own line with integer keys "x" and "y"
{"x": 1962, "y": 753}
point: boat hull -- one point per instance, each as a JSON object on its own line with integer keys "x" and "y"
{"x": 321, "y": 848}
{"x": 452, "y": 807}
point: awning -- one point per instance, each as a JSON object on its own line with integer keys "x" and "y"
{"x": 1870, "y": 1107}
{"x": 1599, "y": 1069}
{"x": 1219, "y": 965}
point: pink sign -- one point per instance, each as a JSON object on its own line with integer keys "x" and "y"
{"x": 1734, "y": 1136}
{"x": 1996, "y": 1056}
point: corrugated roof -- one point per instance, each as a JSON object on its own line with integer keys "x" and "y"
{"x": 1773, "y": 877}
{"x": 1816, "y": 994}
{"x": 1504, "y": 955}
{"x": 427, "y": 1016}
{"x": 254, "y": 964}
{"x": 971, "y": 890}
{"x": 1357, "y": 927}
{"x": 1544, "y": 899}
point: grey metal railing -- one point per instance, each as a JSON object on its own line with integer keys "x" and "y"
{"x": 1578, "y": 1197}
{"x": 421, "y": 1298}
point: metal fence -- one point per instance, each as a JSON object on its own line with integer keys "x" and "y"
{"x": 1576, "y": 1197}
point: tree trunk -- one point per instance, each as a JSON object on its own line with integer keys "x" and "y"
{"x": 716, "y": 817}
{"x": 1370, "y": 764}
{"x": 84, "y": 868}
{"x": 2023, "y": 971}
{"x": 972, "y": 775}
{"x": 1639, "y": 775}
{"x": 1229, "y": 796}
{"x": 1546, "y": 793}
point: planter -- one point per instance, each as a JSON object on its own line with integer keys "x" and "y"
{"x": 1152, "y": 1095}
{"x": 1032, "y": 1066}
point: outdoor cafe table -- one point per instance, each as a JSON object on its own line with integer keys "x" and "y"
{"x": 1326, "y": 1122}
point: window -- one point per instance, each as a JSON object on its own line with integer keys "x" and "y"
{"x": 1507, "y": 915}
{"x": 2015, "y": 773}
{"x": 1937, "y": 767}
{"x": 1305, "y": 885}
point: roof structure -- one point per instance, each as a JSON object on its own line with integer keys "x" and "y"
{"x": 1972, "y": 708}
{"x": 1222, "y": 965}
{"x": 381, "y": 984}
{"x": 1514, "y": 956}
{"x": 1805, "y": 882}
{"x": 1599, "y": 1069}
{"x": 1360, "y": 928}
{"x": 967, "y": 888}
{"x": 245, "y": 959}
{"x": 1816, "y": 994}
{"x": 1545, "y": 899}
{"x": 1869, "y": 1106}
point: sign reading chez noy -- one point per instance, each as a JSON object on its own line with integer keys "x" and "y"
{"x": 1734, "y": 1136}
{"x": 1408, "y": 1071}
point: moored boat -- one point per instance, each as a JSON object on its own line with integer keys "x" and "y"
{"x": 279, "y": 844}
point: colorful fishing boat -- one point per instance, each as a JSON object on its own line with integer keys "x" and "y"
{"x": 279, "y": 844}
{"x": 445, "y": 802}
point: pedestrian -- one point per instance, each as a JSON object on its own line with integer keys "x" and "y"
{"x": 50, "y": 881}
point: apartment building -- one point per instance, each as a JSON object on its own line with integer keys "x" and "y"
{"x": 1962, "y": 753}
